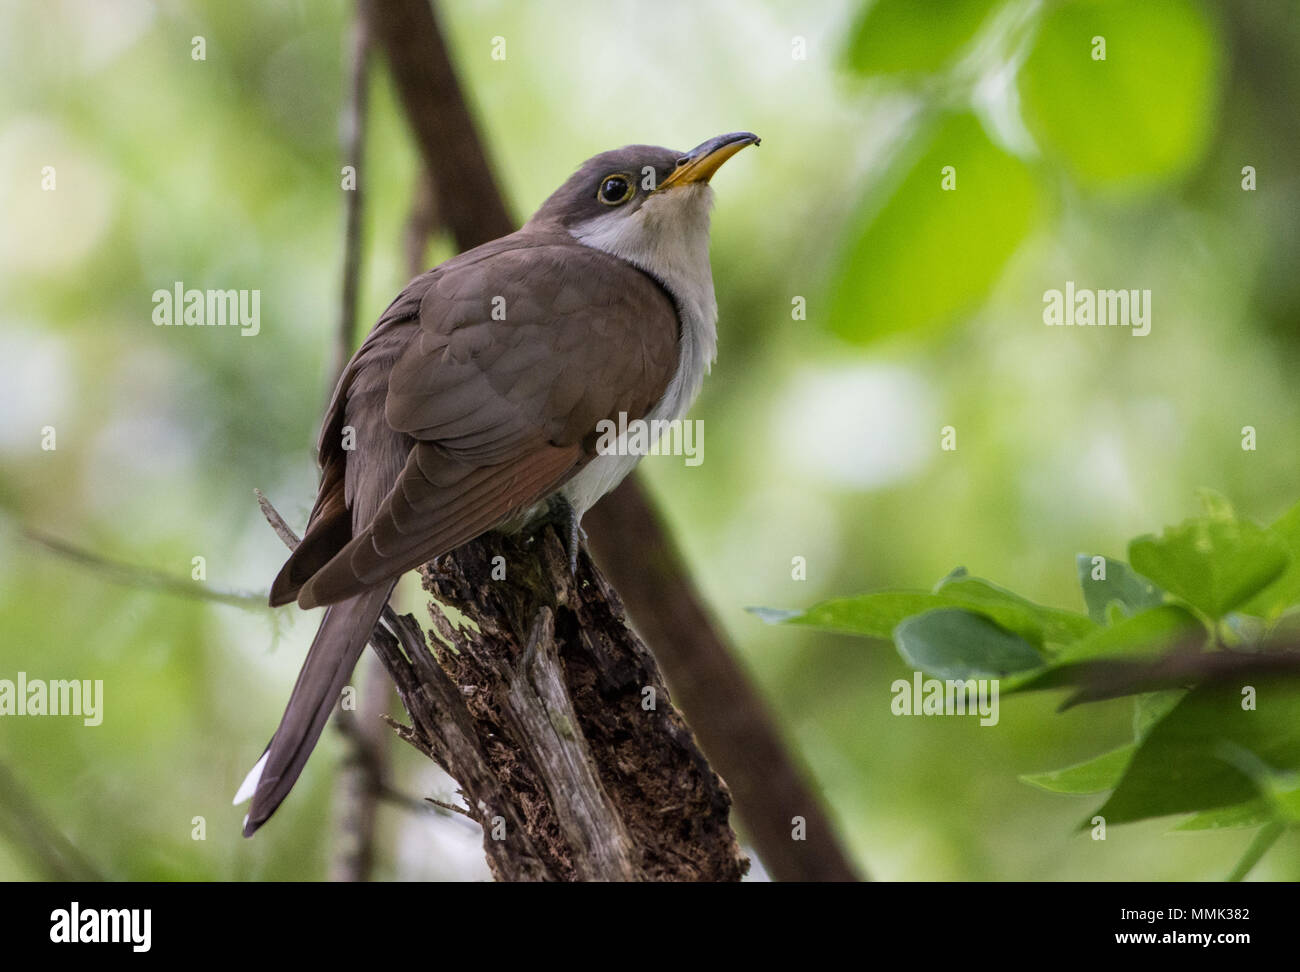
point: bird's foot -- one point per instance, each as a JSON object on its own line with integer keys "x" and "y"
{"x": 570, "y": 522}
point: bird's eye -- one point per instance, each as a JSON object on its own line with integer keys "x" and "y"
{"x": 614, "y": 189}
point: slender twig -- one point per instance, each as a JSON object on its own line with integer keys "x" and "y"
{"x": 134, "y": 576}
{"x": 278, "y": 524}
{"x": 357, "y": 800}
{"x": 353, "y": 137}
{"x": 450, "y": 808}
{"x": 282, "y": 529}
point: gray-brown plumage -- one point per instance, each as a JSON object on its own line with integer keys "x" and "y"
{"x": 477, "y": 396}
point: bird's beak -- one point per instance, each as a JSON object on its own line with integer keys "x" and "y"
{"x": 699, "y": 164}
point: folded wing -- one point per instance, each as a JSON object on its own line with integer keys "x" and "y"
{"x": 494, "y": 371}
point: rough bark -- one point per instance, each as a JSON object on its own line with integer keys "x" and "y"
{"x": 555, "y": 721}
{"x": 552, "y": 717}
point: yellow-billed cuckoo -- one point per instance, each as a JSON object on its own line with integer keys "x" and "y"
{"x": 474, "y": 402}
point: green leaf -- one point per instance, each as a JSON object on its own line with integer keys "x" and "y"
{"x": 953, "y": 643}
{"x": 1151, "y": 707}
{"x": 880, "y": 614}
{"x": 1284, "y": 592}
{"x": 906, "y": 264}
{"x": 1180, "y": 768}
{"x": 906, "y": 37}
{"x": 1142, "y": 115}
{"x": 1038, "y": 623}
{"x": 869, "y": 615}
{"x": 1118, "y": 584}
{"x": 877, "y": 615}
{"x": 1213, "y": 563}
{"x": 1092, "y": 776}
{"x": 1252, "y": 813}
{"x": 1142, "y": 637}
{"x": 1283, "y": 793}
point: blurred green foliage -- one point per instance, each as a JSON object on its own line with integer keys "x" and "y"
{"x": 1144, "y": 113}
{"x": 929, "y": 255}
{"x": 1229, "y": 746}
{"x": 924, "y": 310}
{"x": 898, "y": 37}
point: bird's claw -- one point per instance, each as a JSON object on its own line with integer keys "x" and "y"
{"x": 575, "y": 535}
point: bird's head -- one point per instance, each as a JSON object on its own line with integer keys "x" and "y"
{"x": 643, "y": 203}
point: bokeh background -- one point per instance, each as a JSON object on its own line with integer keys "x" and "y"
{"x": 923, "y": 309}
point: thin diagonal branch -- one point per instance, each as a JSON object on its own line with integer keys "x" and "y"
{"x": 135, "y": 576}
{"x": 469, "y": 201}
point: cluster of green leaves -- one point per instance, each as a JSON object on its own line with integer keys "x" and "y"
{"x": 1139, "y": 118}
{"x": 1199, "y": 627}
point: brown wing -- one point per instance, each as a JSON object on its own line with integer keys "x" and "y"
{"x": 519, "y": 353}
{"x": 357, "y": 468}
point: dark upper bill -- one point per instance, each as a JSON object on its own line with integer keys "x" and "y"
{"x": 699, "y": 164}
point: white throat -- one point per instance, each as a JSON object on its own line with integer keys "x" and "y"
{"x": 668, "y": 238}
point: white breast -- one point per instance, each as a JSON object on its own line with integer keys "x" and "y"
{"x": 668, "y": 237}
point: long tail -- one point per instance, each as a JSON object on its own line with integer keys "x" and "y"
{"x": 342, "y": 637}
